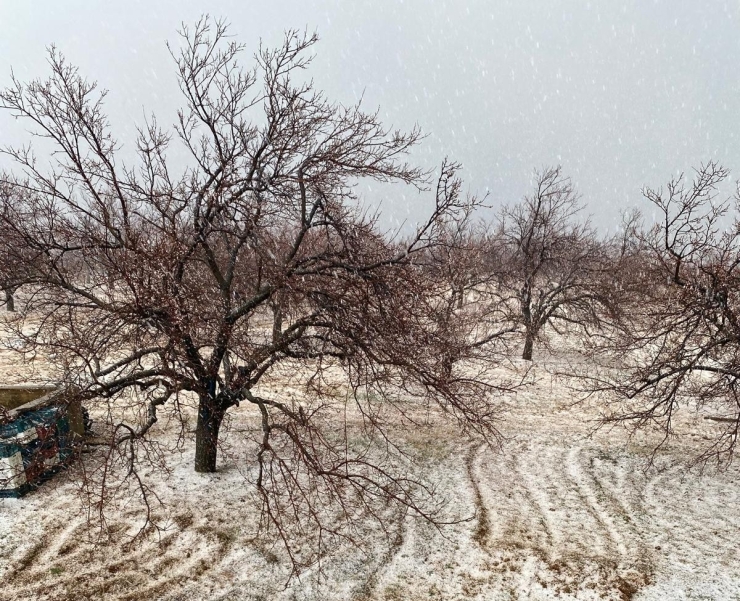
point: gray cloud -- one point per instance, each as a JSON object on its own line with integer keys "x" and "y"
{"x": 621, "y": 93}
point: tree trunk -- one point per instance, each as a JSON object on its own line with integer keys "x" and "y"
{"x": 206, "y": 435}
{"x": 277, "y": 322}
{"x": 528, "y": 345}
{"x": 460, "y": 297}
{"x": 9, "y": 300}
{"x": 525, "y": 298}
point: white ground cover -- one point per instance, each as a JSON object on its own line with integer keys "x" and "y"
{"x": 557, "y": 513}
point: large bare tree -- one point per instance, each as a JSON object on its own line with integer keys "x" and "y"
{"x": 162, "y": 282}
{"x": 547, "y": 266}
{"x": 678, "y": 343}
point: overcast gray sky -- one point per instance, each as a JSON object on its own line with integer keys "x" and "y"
{"x": 621, "y": 94}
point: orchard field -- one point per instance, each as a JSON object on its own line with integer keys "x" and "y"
{"x": 558, "y": 512}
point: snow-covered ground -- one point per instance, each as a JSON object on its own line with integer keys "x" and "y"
{"x": 557, "y": 513}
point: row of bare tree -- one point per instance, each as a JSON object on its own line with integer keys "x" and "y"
{"x": 162, "y": 283}
{"x": 654, "y": 306}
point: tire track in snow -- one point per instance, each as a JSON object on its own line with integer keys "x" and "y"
{"x": 516, "y": 505}
{"x": 615, "y": 544}
{"x": 483, "y": 518}
{"x": 691, "y": 515}
{"x": 366, "y": 590}
{"x": 116, "y": 571}
{"x": 634, "y": 563}
{"x": 569, "y": 523}
{"x": 618, "y": 482}
{"x": 557, "y": 506}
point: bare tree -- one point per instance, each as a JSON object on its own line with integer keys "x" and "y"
{"x": 679, "y": 344}
{"x": 14, "y": 255}
{"x": 546, "y": 264}
{"x": 459, "y": 265}
{"x": 255, "y": 256}
{"x": 625, "y": 258}
{"x": 456, "y": 261}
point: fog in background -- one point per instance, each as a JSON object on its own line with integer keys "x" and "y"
{"x": 622, "y": 94}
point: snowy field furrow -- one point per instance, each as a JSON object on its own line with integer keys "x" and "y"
{"x": 559, "y": 512}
